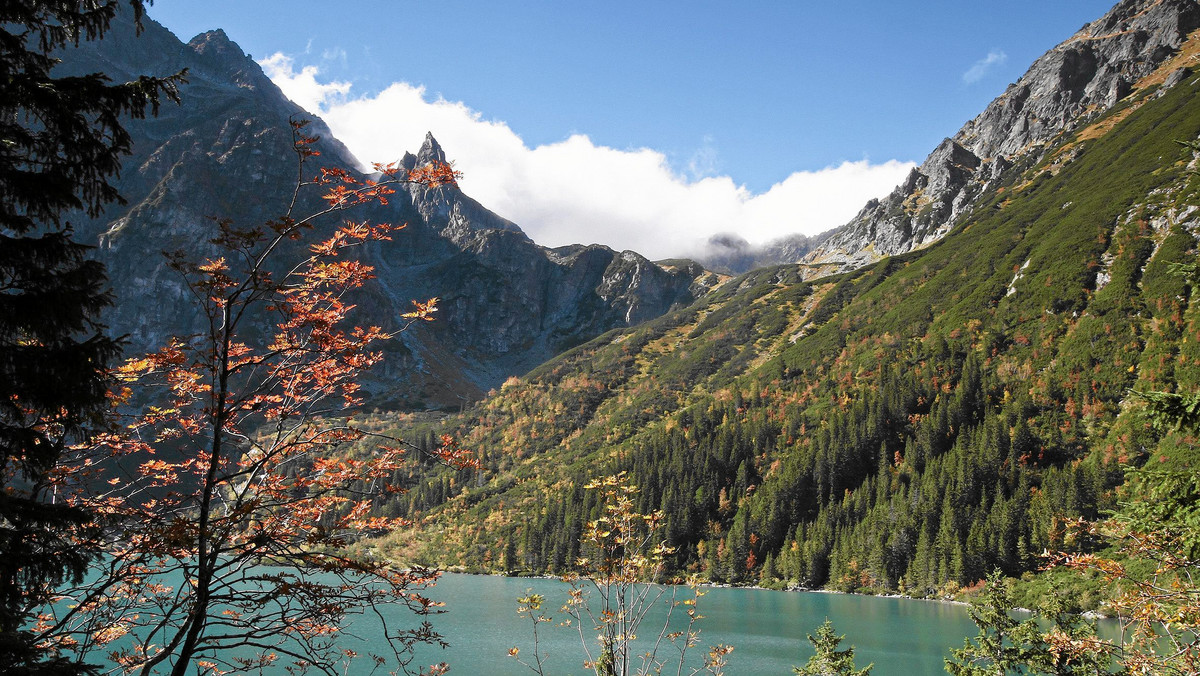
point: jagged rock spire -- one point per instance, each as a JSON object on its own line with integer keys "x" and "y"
{"x": 430, "y": 151}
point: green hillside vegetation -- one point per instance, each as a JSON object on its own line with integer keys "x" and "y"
{"x": 909, "y": 426}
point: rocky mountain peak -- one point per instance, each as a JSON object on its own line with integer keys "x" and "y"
{"x": 446, "y": 209}
{"x": 215, "y": 41}
{"x": 431, "y": 151}
{"x": 224, "y": 58}
{"x": 1090, "y": 71}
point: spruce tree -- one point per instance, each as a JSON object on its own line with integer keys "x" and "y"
{"x": 828, "y": 660}
{"x": 1003, "y": 645}
{"x": 61, "y": 143}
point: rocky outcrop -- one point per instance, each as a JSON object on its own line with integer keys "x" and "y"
{"x": 1090, "y": 72}
{"x": 456, "y": 216}
{"x": 919, "y": 211}
{"x": 1063, "y": 90}
{"x": 226, "y": 152}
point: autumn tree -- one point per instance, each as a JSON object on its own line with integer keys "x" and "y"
{"x": 1055, "y": 641}
{"x": 235, "y": 492}
{"x": 1154, "y": 563}
{"x": 1154, "y": 575}
{"x": 61, "y": 143}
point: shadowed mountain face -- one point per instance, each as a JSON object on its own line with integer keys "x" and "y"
{"x": 1136, "y": 45}
{"x": 226, "y": 153}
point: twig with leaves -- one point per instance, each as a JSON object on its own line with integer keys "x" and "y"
{"x": 615, "y": 590}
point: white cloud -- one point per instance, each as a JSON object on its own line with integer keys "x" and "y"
{"x": 302, "y": 87}
{"x": 980, "y": 68}
{"x": 575, "y": 191}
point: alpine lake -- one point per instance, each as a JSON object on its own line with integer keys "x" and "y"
{"x": 768, "y": 629}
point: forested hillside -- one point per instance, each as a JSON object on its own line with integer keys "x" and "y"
{"x": 909, "y": 425}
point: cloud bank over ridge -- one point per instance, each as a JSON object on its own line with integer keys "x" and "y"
{"x": 575, "y": 191}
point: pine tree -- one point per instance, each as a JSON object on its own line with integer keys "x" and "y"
{"x": 828, "y": 660}
{"x": 61, "y": 141}
{"x": 1003, "y": 645}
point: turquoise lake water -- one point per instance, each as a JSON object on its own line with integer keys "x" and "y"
{"x": 767, "y": 629}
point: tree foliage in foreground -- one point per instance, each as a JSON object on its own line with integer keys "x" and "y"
{"x": 1055, "y": 641}
{"x": 229, "y": 499}
{"x": 61, "y": 142}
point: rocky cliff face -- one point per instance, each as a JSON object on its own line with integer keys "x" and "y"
{"x": 1136, "y": 45}
{"x": 226, "y": 152}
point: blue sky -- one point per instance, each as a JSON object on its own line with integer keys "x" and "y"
{"x": 732, "y": 99}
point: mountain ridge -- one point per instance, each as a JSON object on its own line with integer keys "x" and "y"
{"x": 1086, "y": 75}
{"x": 226, "y": 152}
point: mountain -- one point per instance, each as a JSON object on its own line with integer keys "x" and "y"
{"x": 909, "y": 425}
{"x": 1135, "y": 46}
{"x": 507, "y": 304}
{"x": 733, "y": 255}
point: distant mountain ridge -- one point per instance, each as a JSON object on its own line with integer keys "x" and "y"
{"x": 507, "y": 303}
{"x": 731, "y": 254}
{"x": 1088, "y": 74}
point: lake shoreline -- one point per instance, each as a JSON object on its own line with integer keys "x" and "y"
{"x": 719, "y": 585}
{"x": 1091, "y": 615}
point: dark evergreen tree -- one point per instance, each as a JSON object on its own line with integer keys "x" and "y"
{"x": 1003, "y": 645}
{"x": 828, "y": 660}
{"x": 61, "y": 141}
